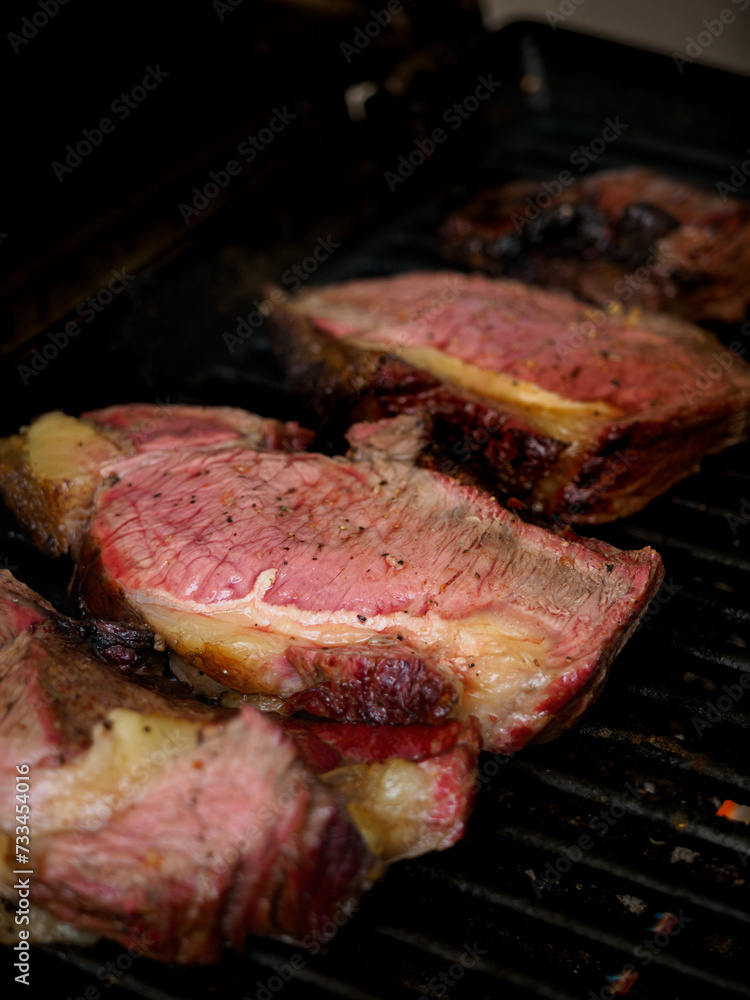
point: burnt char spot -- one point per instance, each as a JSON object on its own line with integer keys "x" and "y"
{"x": 120, "y": 645}
{"x": 395, "y": 687}
{"x": 120, "y": 656}
{"x": 692, "y": 280}
{"x": 639, "y": 227}
{"x": 562, "y": 229}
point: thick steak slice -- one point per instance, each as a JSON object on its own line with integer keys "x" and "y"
{"x": 190, "y": 826}
{"x": 292, "y": 574}
{"x": 632, "y": 236}
{"x": 581, "y": 419}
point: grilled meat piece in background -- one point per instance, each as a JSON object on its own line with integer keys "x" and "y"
{"x": 631, "y": 236}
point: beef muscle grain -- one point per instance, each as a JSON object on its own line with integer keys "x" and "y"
{"x": 633, "y": 236}
{"x": 357, "y": 588}
{"x": 582, "y": 415}
{"x": 70, "y": 455}
{"x": 189, "y": 827}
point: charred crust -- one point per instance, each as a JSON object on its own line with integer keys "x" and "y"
{"x": 119, "y": 645}
{"x": 97, "y": 594}
{"x": 352, "y": 685}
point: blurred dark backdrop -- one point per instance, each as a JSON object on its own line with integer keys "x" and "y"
{"x": 223, "y": 69}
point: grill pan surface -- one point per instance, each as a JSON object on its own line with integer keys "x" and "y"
{"x": 600, "y": 852}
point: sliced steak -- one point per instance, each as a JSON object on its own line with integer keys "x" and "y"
{"x": 189, "y": 826}
{"x": 582, "y": 417}
{"x": 631, "y": 236}
{"x": 296, "y": 575}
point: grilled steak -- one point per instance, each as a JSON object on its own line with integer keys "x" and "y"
{"x": 632, "y": 236}
{"x": 582, "y": 419}
{"x": 361, "y": 587}
{"x": 157, "y": 817}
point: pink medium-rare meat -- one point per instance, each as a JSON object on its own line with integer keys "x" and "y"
{"x": 191, "y": 826}
{"x": 632, "y": 236}
{"x": 505, "y": 328}
{"x": 582, "y": 417}
{"x": 55, "y": 506}
{"x": 295, "y": 575}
